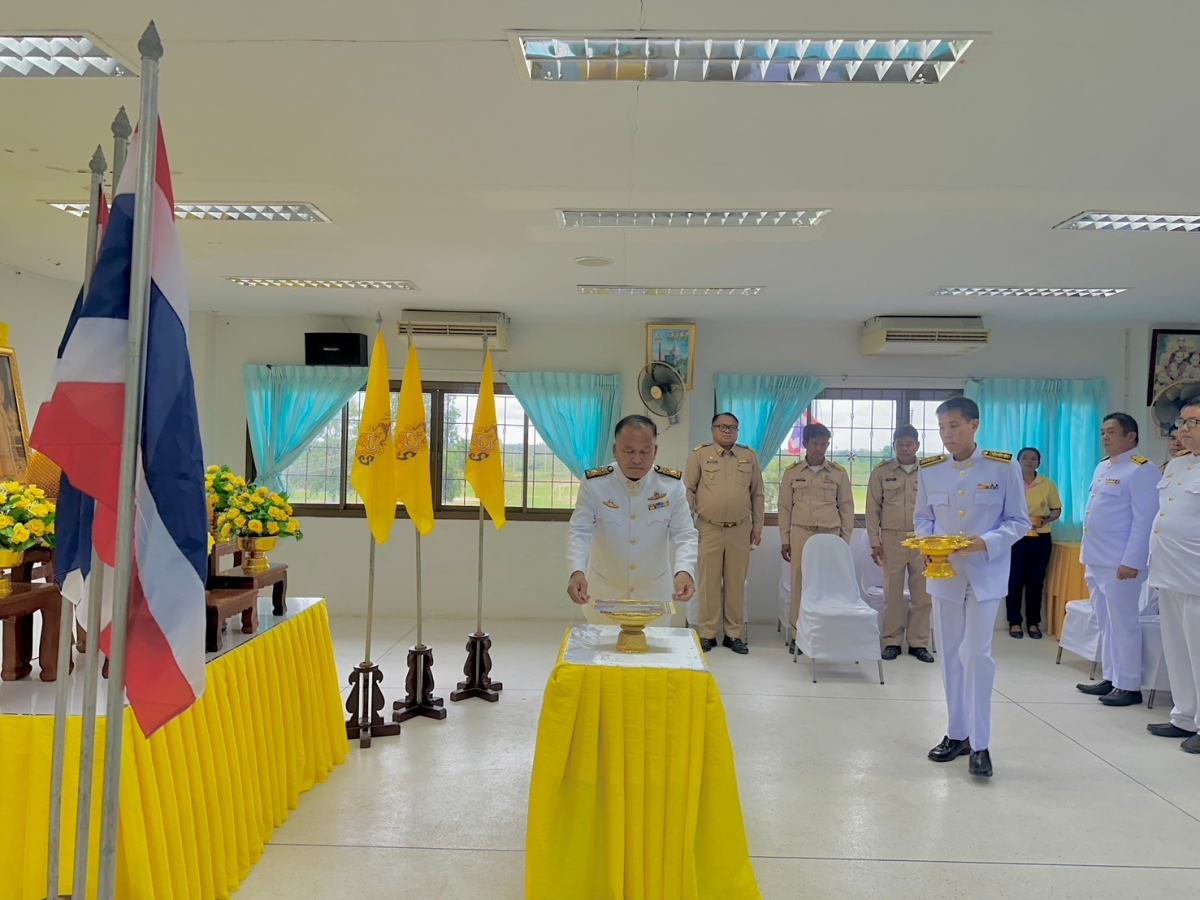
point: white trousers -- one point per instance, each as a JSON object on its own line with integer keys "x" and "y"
{"x": 964, "y": 629}
{"x": 1181, "y": 646}
{"x": 1115, "y": 603}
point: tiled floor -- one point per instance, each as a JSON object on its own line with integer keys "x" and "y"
{"x": 839, "y": 799}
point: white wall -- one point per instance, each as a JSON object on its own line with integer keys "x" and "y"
{"x": 36, "y": 310}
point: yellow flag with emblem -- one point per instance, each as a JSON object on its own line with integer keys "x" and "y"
{"x": 485, "y": 466}
{"x": 414, "y": 484}
{"x": 373, "y": 473}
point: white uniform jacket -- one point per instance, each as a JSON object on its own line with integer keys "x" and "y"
{"x": 1122, "y": 503}
{"x": 984, "y": 496}
{"x": 623, "y": 533}
{"x": 1175, "y": 538}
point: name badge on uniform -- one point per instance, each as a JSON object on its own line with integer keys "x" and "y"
{"x": 743, "y": 462}
{"x": 660, "y": 504}
{"x": 891, "y": 479}
{"x": 1112, "y": 480}
{"x": 611, "y": 505}
{"x": 987, "y": 487}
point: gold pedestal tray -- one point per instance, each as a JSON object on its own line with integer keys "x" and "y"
{"x": 9, "y": 559}
{"x": 938, "y": 548}
{"x": 256, "y": 550}
{"x": 633, "y": 616}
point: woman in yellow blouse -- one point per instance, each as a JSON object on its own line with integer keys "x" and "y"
{"x": 1031, "y": 554}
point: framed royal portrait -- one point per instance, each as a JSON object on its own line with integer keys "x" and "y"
{"x": 1174, "y": 356}
{"x": 675, "y": 345}
{"x": 14, "y": 427}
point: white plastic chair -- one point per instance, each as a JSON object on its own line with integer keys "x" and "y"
{"x": 1080, "y": 633}
{"x": 835, "y": 623}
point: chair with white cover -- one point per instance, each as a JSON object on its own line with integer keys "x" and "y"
{"x": 785, "y": 602}
{"x": 870, "y": 575}
{"x": 835, "y": 623}
{"x": 1080, "y": 633}
{"x": 1154, "y": 665}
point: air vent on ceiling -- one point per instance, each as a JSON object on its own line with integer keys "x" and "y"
{"x": 440, "y": 330}
{"x": 923, "y": 336}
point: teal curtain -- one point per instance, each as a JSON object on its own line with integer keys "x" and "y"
{"x": 767, "y": 406}
{"x": 1061, "y": 418}
{"x": 286, "y": 407}
{"x": 575, "y": 413}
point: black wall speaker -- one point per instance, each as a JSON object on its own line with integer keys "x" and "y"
{"x": 335, "y": 348}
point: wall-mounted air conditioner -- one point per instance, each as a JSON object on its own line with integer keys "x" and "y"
{"x": 922, "y": 336}
{"x": 441, "y": 330}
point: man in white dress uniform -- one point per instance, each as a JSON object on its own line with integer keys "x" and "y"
{"x": 1175, "y": 571}
{"x": 628, "y": 519}
{"x": 979, "y": 494}
{"x": 1121, "y": 507}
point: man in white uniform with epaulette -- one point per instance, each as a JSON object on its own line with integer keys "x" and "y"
{"x": 630, "y": 519}
{"x": 978, "y": 494}
{"x": 1115, "y": 551}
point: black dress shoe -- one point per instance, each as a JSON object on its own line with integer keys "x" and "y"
{"x": 1166, "y": 729}
{"x": 1014, "y": 631}
{"x": 1035, "y": 632}
{"x": 1192, "y": 744}
{"x": 1119, "y": 697}
{"x": 922, "y": 654}
{"x": 1099, "y": 689}
{"x": 949, "y": 750}
{"x": 890, "y": 652}
{"x": 981, "y": 763}
{"x": 707, "y": 644}
{"x": 737, "y": 645}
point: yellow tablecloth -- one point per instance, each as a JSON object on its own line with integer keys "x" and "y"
{"x": 1064, "y": 583}
{"x": 200, "y": 798}
{"x": 634, "y": 794}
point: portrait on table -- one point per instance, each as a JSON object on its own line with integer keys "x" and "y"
{"x": 14, "y": 427}
{"x": 674, "y": 344}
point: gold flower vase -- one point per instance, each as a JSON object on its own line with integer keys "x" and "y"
{"x": 938, "y": 547}
{"x": 256, "y": 550}
{"x": 9, "y": 559}
{"x": 633, "y": 616}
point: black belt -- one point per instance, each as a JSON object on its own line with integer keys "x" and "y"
{"x": 721, "y": 524}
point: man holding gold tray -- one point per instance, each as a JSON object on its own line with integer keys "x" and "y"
{"x": 978, "y": 494}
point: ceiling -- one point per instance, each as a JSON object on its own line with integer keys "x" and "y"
{"x": 410, "y": 127}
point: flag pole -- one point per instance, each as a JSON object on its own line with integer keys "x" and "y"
{"x": 419, "y": 699}
{"x": 151, "y": 50}
{"x": 121, "y": 130}
{"x": 478, "y": 667}
{"x": 62, "y": 688}
{"x": 366, "y": 697}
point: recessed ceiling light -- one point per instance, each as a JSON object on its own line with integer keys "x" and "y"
{"x": 1027, "y": 292}
{"x": 593, "y": 261}
{"x": 779, "y": 59}
{"x": 77, "y": 55}
{"x": 224, "y": 212}
{"x": 1092, "y": 220}
{"x": 638, "y": 218}
{"x": 383, "y": 285}
{"x": 636, "y": 291}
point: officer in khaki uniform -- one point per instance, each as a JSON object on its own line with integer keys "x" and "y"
{"x": 725, "y": 492}
{"x": 891, "y": 498}
{"x": 814, "y": 498}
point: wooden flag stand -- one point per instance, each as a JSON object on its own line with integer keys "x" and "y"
{"x": 419, "y": 683}
{"x": 366, "y": 697}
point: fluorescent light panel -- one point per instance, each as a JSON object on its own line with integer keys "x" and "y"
{"x": 224, "y": 212}
{"x": 353, "y": 283}
{"x": 788, "y": 59}
{"x": 49, "y": 55}
{"x": 1027, "y": 292}
{"x": 1093, "y": 220}
{"x": 636, "y": 291}
{"x": 637, "y": 218}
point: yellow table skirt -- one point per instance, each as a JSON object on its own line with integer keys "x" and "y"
{"x": 200, "y": 798}
{"x": 633, "y": 794}
{"x": 1064, "y": 583}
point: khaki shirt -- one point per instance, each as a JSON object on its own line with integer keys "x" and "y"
{"x": 725, "y": 487}
{"x": 820, "y": 499}
{"x": 891, "y": 500}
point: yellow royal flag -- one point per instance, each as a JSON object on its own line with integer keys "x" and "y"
{"x": 414, "y": 484}
{"x": 373, "y": 473}
{"x": 485, "y": 468}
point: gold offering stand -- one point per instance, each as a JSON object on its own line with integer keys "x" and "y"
{"x": 633, "y": 616}
{"x": 938, "y": 548}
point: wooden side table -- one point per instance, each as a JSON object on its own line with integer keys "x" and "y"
{"x": 17, "y": 611}
{"x": 274, "y": 578}
{"x": 220, "y": 550}
{"x": 220, "y": 605}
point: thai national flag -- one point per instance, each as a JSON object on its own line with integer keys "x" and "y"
{"x": 79, "y": 427}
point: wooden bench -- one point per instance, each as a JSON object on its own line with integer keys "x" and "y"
{"x": 223, "y": 604}
{"x": 17, "y": 611}
{"x": 274, "y": 578}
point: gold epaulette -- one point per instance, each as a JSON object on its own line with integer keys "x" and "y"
{"x": 836, "y": 465}
{"x": 997, "y": 455}
{"x": 1140, "y": 460}
{"x": 670, "y": 473}
{"x": 699, "y": 447}
{"x": 882, "y": 464}
{"x": 932, "y": 460}
{"x": 596, "y": 473}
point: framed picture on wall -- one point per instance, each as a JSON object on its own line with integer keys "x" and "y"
{"x": 14, "y": 427}
{"x": 1174, "y": 356}
{"x": 674, "y": 344}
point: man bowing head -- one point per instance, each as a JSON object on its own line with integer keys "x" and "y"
{"x": 630, "y": 519}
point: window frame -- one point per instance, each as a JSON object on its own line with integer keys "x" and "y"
{"x": 437, "y": 431}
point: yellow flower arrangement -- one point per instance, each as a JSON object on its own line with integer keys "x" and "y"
{"x": 26, "y": 517}
{"x": 223, "y": 486}
{"x": 258, "y": 512}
